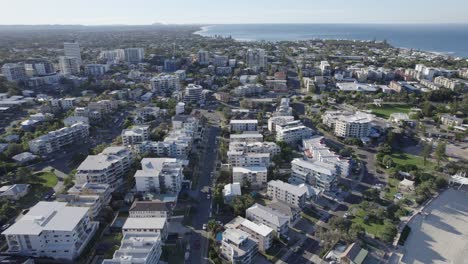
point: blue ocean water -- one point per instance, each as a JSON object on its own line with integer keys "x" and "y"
{"x": 450, "y": 39}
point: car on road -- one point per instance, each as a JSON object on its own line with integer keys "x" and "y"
{"x": 208, "y": 196}
{"x": 204, "y": 227}
{"x": 25, "y": 211}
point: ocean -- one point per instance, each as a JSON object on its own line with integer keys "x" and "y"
{"x": 449, "y": 39}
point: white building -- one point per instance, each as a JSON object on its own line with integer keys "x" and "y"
{"x": 165, "y": 83}
{"x": 137, "y": 248}
{"x": 145, "y": 209}
{"x": 113, "y": 56}
{"x": 160, "y": 175}
{"x": 56, "y": 140}
{"x": 230, "y": 191}
{"x": 288, "y": 193}
{"x": 72, "y": 49}
{"x": 272, "y": 218}
{"x": 450, "y": 120}
{"x": 69, "y": 65}
{"x": 156, "y": 225}
{"x": 243, "y": 125}
{"x": 51, "y": 229}
{"x": 238, "y": 247}
{"x": 108, "y": 167}
{"x": 293, "y": 131}
{"x": 102, "y": 190}
{"x": 325, "y": 67}
{"x": 220, "y": 60}
{"x": 260, "y": 233}
{"x": 97, "y": 69}
{"x": 249, "y": 89}
{"x": 194, "y": 94}
{"x": 316, "y": 173}
{"x": 135, "y": 135}
{"x": 256, "y": 59}
{"x": 256, "y": 176}
{"x": 246, "y": 136}
{"x": 15, "y": 191}
{"x": 134, "y": 55}
{"x": 278, "y": 120}
{"x": 203, "y": 57}
{"x": 72, "y": 120}
{"x": 345, "y": 124}
{"x": 315, "y": 149}
{"x": 180, "y": 108}
{"x": 13, "y": 72}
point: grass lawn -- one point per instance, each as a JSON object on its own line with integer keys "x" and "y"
{"x": 372, "y": 228}
{"x": 387, "y": 109}
{"x": 405, "y": 158}
{"x": 48, "y": 179}
{"x": 393, "y": 185}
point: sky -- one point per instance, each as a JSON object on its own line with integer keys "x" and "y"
{"x": 144, "y": 12}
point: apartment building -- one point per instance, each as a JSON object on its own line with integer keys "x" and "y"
{"x": 56, "y": 140}
{"x": 72, "y": 49}
{"x": 108, "y": 167}
{"x": 248, "y": 89}
{"x": 278, "y": 121}
{"x": 316, "y": 149}
{"x": 137, "y": 248}
{"x": 102, "y": 190}
{"x": 283, "y": 108}
{"x": 145, "y": 209}
{"x": 194, "y": 94}
{"x": 264, "y": 215}
{"x": 260, "y": 233}
{"x": 230, "y": 191}
{"x": 316, "y": 173}
{"x": 104, "y": 106}
{"x": 451, "y": 120}
{"x": 134, "y": 55}
{"x": 51, "y": 229}
{"x": 288, "y": 193}
{"x": 346, "y": 124}
{"x": 292, "y": 132}
{"x": 292, "y": 212}
{"x": 242, "y": 159}
{"x": 97, "y": 69}
{"x": 256, "y": 176}
{"x": 92, "y": 202}
{"x": 13, "y": 72}
{"x": 69, "y": 65}
{"x": 135, "y": 135}
{"x": 160, "y": 175}
{"x": 246, "y": 136}
{"x": 238, "y": 247}
{"x": 165, "y": 83}
{"x": 154, "y": 225}
{"x": 243, "y": 125}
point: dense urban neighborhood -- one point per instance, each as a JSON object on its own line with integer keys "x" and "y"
{"x": 152, "y": 144}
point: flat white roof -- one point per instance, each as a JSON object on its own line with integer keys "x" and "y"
{"x": 145, "y": 223}
{"x": 246, "y": 121}
{"x": 296, "y": 190}
{"x": 258, "y": 228}
{"x": 249, "y": 169}
{"x": 48, "y": 216}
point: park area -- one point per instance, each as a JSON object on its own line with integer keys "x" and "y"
{"x": 438, "y": 235}
{"x": 386, "y": 110}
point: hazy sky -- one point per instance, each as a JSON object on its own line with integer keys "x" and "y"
{"x": 135, "y": 12}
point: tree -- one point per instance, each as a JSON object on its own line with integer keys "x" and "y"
{"x": 13, "y": 149}
{"x": 441, "y": 182}
{"x": 440, "y": 152}
{"x": 387, "y": 161}
{"x": 22, "y": 174}
{"x": 241, "y": 203}
{"x": 426, "y": 152}
{"x": 389, "y": 231}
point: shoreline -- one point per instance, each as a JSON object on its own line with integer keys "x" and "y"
{"x": 204, "y": 29}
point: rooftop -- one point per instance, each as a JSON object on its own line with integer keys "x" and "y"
{"x": 145, "y": 223}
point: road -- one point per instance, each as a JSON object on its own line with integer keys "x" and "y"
{"x": 203, "y": 207}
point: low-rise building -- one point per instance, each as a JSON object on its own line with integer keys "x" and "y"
{"x": 108, "y": 167}
{"x": 55, "y": 140}
{"x": 278, "y": 120}
{"x": 288, "y": 193}
{"x": 160, "y": 175}
{"x": 316, "y": 173}
{"x": 292, "y": 132}
{"x": 293, "y": 212}
{"x": 260, "y": 233}
{"x": 51, "y": 229}
{"x": 157, "y": 225}
{"x": 101, "y": 189}
{"x": 246, "y": 137}
{"x": 345, "y": 124}
{"x": 135, "y": 135}
{"x": 15, "y": 191}
{"x": 145, "y": 209}
{"x": 230, "y": 191}
{"x": 243, "y": 125}
{"x": 237, "y": 247}
{"x": 450, "y": 120}
{"x": 264, "y": 215}
{"x": 137, "y": 248}
{"x": 315, "y": 149}
{"x": 256, "y": 176}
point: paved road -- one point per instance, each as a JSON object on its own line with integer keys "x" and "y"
{"x": 203, "y": 207}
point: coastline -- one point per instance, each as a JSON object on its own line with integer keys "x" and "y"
{"x": 204, "y": 31}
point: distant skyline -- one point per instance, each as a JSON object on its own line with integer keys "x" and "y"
{"x": 144, "y": 12}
